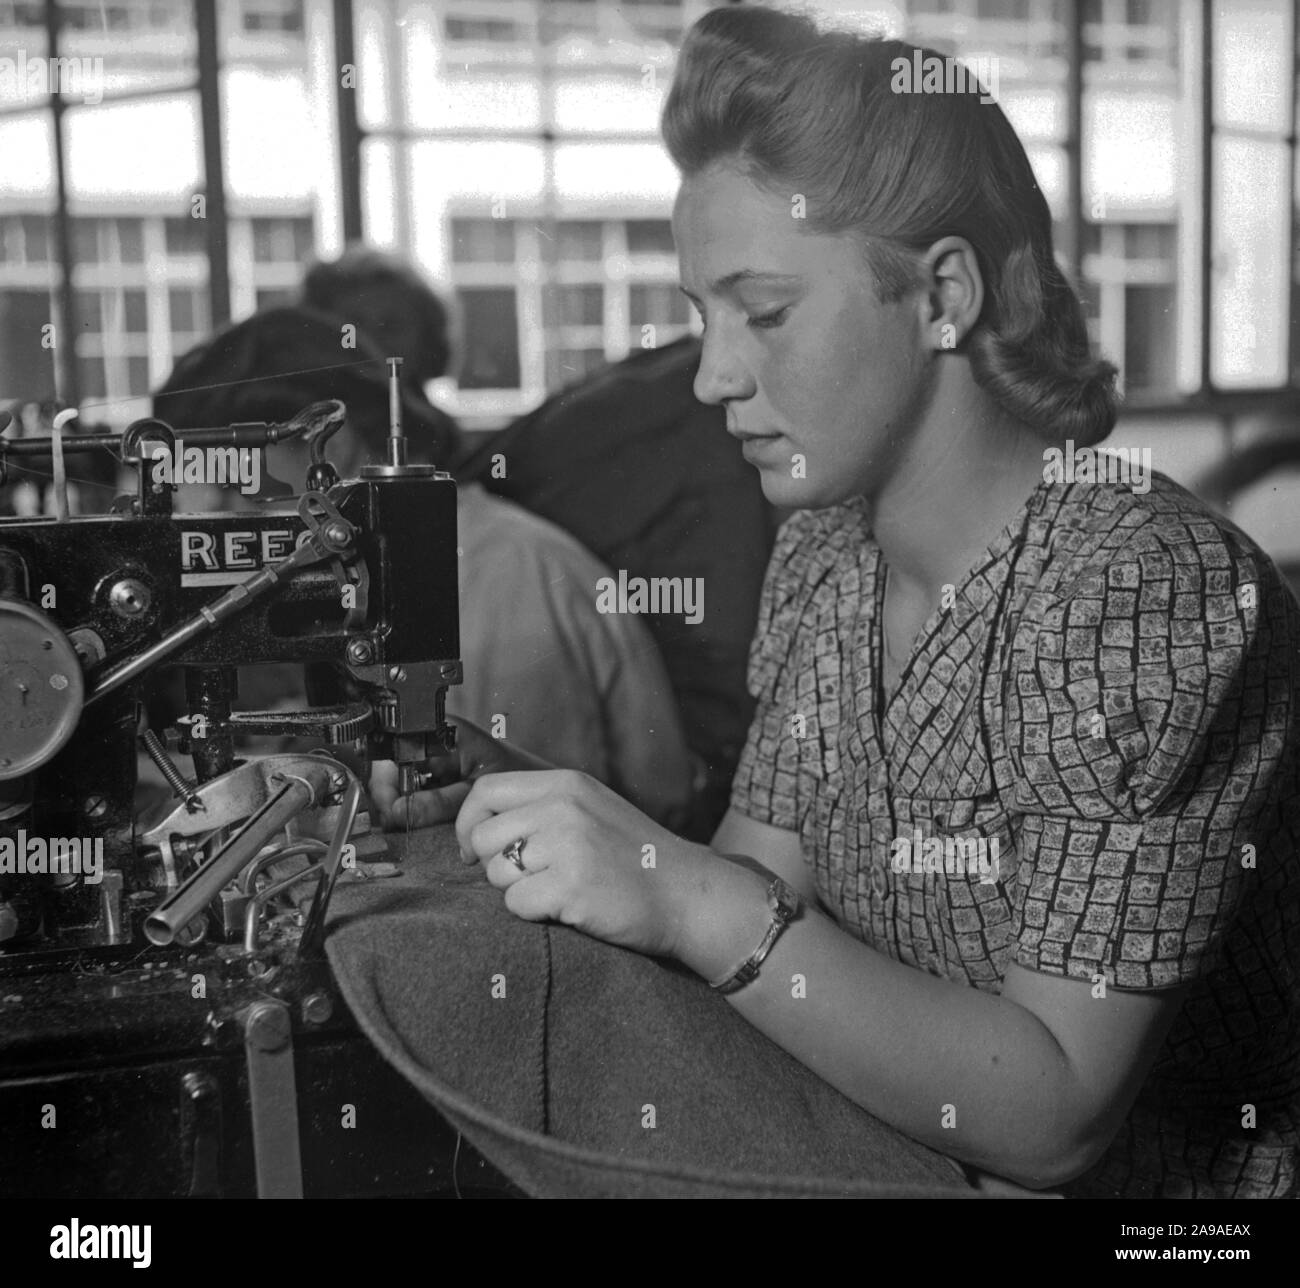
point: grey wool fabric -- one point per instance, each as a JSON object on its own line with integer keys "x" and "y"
{"x": 583, "y": 1070}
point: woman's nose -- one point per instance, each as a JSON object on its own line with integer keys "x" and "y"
{"x": 722, "y": 374}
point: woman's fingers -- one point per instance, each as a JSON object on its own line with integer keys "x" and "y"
{"x": 499, "y": 793}
{"x": 535, "y": 897}
{"x": 424, "y": 808}
{"x": 495, "y": 838}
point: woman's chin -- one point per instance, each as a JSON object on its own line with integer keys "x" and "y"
{"x": 801, "y": 493}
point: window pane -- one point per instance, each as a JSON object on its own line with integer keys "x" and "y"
{"x": 1149, "y": 338}
{"x": 184, "y": 236}
{"x": 85, "y": 240}
{"x": 580, "y": 240}
{"x": 26, "y": 370}
{"x": 136, "y": 314}
{"x": 1248, "y": 297}
{"x": 304, "y": 241}
{"x": 1149, "y": 241}
{"x": 491, "y": 339}
{"x": 86, "y": 312}
{"x": 270, "y": 299}
{"x": 137, "y": 375}
{"x": 273, "y": 241}
{"x": 1252, "y": 64}
{"x": 91, "y": 377}
{"x": 36, "y": 235}
{"x": 650, "y": 237}
{"x": 188, "y": 309}
{"x": 564, "y": 366}
{"x": 661, "y": 305}
{"x": 267, "y": 15}
{"x": 483, "y": 30}
{"x": 573, "y": 306}
{"x": 483, "y": 241}
{"x": 130, "y": 240}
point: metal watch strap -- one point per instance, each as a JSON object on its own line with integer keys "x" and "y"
{"x": 785, "y": 904}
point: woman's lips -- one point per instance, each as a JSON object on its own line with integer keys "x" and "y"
{"x": 757, "y": 446}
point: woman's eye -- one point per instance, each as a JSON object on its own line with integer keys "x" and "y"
{"x": 768, "y": 320}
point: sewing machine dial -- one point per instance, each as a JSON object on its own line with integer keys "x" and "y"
{"x": 41, "y": 689}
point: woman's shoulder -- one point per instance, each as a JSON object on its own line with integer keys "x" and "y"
{"x": 1126, "y": 534}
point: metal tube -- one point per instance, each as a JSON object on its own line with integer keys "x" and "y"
{"x": 396, "y": 439}
{"x": 177, "y": 911}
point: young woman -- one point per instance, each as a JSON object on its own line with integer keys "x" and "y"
{"x": 1026, "y": 743}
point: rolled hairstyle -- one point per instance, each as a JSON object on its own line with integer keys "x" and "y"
{"x": 802, "y": 109}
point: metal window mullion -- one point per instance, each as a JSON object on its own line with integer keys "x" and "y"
{"x": 403, "y": 197}
{"x": 1293, "y": 348}
{"x": 216, "y": 225}
{"x": 1207, "y": 199}
{"x": 66, "y": 384}
{"x": 1074, "y": 140}
{"x": 349, "y": 128}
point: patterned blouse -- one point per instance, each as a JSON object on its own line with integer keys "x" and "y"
{"x": 1089, "y": 767}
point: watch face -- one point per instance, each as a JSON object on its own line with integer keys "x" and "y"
{"x": 784, "y": 899}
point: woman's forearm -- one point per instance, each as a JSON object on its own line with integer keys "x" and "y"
{"x": 971, "y": 1074}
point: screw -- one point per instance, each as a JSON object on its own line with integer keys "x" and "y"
{"x": 397, "y": 673}
{"x": 94, "y": 807}
{"x": 129, "y": 597}
{"x": 336, "y": 534}
{"x": 448, "y": 670}
{"x": 317, "y": 1008}
{"x": 267, "y": 1027}
{"x": 199, "y": 1086}
{"x": 360, "y": 652}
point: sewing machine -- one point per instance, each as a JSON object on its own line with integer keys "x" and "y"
{"x": 141, "y": 948}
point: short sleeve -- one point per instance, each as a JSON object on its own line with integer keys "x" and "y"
{"x": 1149, "y": 714}
{"x": 765, "y": 787}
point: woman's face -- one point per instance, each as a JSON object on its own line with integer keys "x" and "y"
{"x": 820, "y": 381}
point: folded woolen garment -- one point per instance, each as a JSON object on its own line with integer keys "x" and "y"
{"x": 584, "y": 1070}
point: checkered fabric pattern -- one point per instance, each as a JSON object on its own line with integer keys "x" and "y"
{"x": 1104, "y": 714}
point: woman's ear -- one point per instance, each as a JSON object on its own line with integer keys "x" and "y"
{"x": 955, "y": 291}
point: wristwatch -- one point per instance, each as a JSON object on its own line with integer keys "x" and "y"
{"x": 785, "y": 904}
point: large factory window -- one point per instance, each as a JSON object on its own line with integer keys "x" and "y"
{"x": 117, "y": 231}
{"x": 551, "y": 110}
{"x": 598, "y": 288}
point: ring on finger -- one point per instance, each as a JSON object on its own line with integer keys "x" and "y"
{"x": 514, "y": 853}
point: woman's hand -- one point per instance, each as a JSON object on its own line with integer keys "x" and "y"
{"x": 477, "y": 753}
{"x": 589, "y": 859}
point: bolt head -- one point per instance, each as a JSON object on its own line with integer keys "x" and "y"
{"x": 317, "y": 1008}
{"x": 129, "y": 597}
{"x": 360, "y": 652}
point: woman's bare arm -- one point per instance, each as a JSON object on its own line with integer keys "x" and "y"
{"x": 1031, "y": 1085}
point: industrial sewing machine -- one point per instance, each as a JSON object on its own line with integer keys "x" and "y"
{"x": 138, "y": 948}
